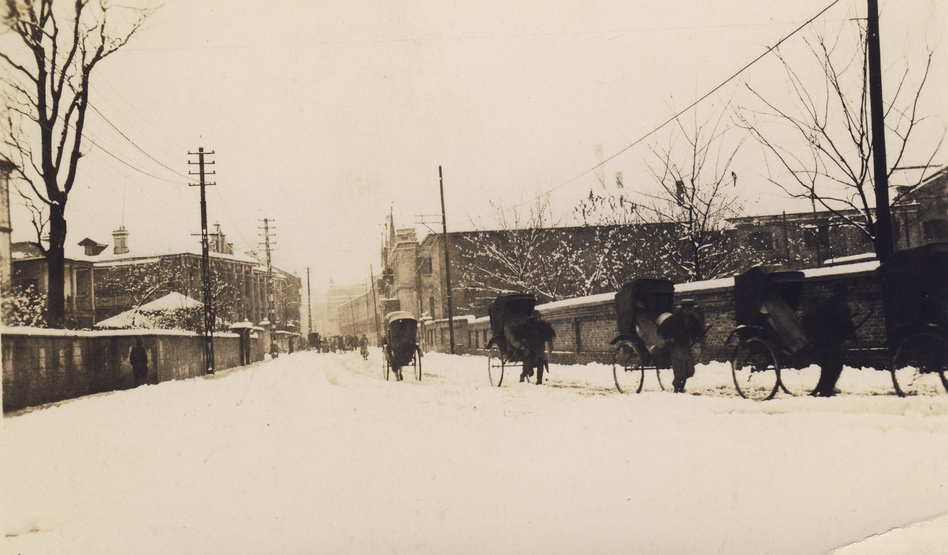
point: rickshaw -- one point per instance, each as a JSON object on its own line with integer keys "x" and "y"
{"x": 771, "y": 339}
{"x": 518, "y": 338}
{"x": 915, "y": 298}
{"x": 642, "y": 306}
{"x": 399, "y": 346}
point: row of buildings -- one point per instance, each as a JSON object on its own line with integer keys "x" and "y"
{"x": 105, "y": 279}
{"x": 566, "y": 262}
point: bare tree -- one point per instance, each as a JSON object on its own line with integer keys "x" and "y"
{"x": 132, "y": 285}
{"x": 48, "y": 83}
{"x": 821, "y": 137}
{"x": 525, "y": 255}
{"x": 697, "y": 196}
{"x": 609, "y": 218}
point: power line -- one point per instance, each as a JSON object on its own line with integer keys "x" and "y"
{"x": 693, "y": 104}
{"x": 131, "y": 142}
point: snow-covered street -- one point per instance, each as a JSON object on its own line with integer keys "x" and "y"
{"x": 316, "y": 453}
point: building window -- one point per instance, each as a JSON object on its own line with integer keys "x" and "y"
{"x": 426, "y": 265}
{"x": 935, "y": 229}
{"x": 431, "y": 307}
{"x": 761, "y": 240}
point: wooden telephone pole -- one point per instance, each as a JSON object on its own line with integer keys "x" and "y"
{"x": 205, "y": 259}
{"x": 447, "y": 265}
{"x": 883, "y": 236}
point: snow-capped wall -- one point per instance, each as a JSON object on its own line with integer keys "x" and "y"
{"x": 45, "y": 366}
{"x": 584, "y": 326}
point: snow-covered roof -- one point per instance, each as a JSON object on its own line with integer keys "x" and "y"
{"x": 190, "y": 249}
{"x": 26, "y": 250}
{"x": 172, "y": 301}
{"x": 144, "y": 316}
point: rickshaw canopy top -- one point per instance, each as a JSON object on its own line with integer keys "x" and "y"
{"x": 915, "y": 288}
{"x": 653, "y": 295}
{"x": 752, "y": 286}
{"x": 398, "y": 315}
{"x": 510, "y": 309}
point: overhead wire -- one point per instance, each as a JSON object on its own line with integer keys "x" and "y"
{"x": 97, "y": 141}
{"x": 700, "y": 99}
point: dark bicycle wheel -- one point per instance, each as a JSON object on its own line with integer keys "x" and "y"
{"x": 919, "y": 364}
{"x": 755, "y": 370}
{"x": 495, "y": 366}
{"x": 628, "y": 370}
{"x": 417, "y": 360}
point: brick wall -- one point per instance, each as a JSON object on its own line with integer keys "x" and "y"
{"x": 584, "y": 327}
{"x": 45, "y": 366}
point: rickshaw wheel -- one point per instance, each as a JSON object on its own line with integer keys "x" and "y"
{"x": 417, "y": 361}
{"x": 495, "y": 366}
{"x": 798, "y": 382}
{"x": 628, "y": 371}
{"x": 755, "y": 370}
{"x": 386, "y": 367}
{"x": 666, "y": 377}
{"x": 919, "y": 364}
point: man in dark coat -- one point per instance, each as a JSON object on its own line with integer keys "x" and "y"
{"x": 530, "y": 338}
{"x": 828, "y": 325}
{"x": 680, "y": 332}
{"x": 139, "y": 361}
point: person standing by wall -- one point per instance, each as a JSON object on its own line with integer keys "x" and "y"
{"x": 139, "y": 361}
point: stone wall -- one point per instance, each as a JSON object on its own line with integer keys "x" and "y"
{"x": 45, "y": 366}
{"x": 585, "y": 326}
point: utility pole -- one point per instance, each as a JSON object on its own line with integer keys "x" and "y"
{"x": 267, "y": 231}
{"x": 205, "y": 258}
{"x": 883, "y": 236}
{"x": 447, "y": 265}
{"x": 309, "y": 306}
{"x": 375, "y": 304}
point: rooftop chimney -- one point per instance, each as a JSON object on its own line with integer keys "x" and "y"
{"x": 120, "y": 240}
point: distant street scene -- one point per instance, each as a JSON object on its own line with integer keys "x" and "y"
{"x": 572, "y": 213}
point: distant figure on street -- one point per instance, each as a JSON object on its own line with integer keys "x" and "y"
{"x": 139, "y": 361}
{"x": 364, "y": 346}
{"x": 828, "y": 325}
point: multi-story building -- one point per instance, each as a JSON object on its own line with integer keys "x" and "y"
{"x": 239, "y": 286}
{"x": 31, "y": 274}
{"x": 414, "y": 272}
{"x": 927, "y": 206}
{"x": 345, "y": 311}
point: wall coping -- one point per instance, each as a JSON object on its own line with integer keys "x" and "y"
{"x": 467, "y": 318}
{"x": 866, "y": 268}
{"x": 45, "y": 332}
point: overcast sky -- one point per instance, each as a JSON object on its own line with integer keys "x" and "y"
{"x": 324, "y": 115}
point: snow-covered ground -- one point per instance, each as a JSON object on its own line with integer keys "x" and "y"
{"x": 316, "y": 453}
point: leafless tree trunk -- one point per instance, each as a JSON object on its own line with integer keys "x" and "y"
{"x": 48, "y": 84}
{"x": 821, "y": 137}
